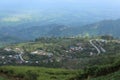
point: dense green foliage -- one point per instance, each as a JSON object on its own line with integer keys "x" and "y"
{"x": 1, "y": 78}
{"x": 100, "y": 70}
{"x": 112, "y": 76}
{"x": 36, "y": 73}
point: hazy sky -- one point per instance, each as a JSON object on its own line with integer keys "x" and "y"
{"x": 21, "y": 9}
{"x": 52, "y": 4}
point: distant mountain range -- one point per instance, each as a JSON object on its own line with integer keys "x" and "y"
{"x": 29, "y": 32}
{"x": 105, "y": 27}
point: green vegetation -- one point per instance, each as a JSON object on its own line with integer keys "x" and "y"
{"x": 36, "y": 73}
{"x": 95, "y": 72}
{"x": 1, "y": 78}
{"x": 67, "y": 53}
{"x": 52, "y": 44}
{"x": 112, "y": 76}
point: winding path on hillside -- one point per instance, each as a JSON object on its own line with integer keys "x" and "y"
{"x": 21, "y": 58}
{"x": 101, "y": 48}
{"x": 98, "y": 50}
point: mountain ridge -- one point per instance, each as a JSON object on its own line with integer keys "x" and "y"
{"x": 28, "y": 32}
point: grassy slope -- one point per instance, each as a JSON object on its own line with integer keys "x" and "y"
{"x": 48, "y": 73}
{"x": 113, "y": 76}
{"x": 25, "y": 73}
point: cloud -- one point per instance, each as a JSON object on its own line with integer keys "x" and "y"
{"x": 11, "y": 19}
{"x": 16, "y": 18}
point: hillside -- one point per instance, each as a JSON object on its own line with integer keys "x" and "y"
{"x": 106, "y": 27}
{"x": 60, "y": 40}
{"x": 95, "y": 58}
{"x": 98, "y": 72}
{"x": 27, "y": 31}
{"x": 70, "y": 53}
{"x": 35, "y": 73}
{"x": 112, "y": 76}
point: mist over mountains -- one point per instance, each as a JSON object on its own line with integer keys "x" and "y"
{"x": 27, "y": 20}
{"x": 66, "y": 12}
{"x": 28, "y": 32}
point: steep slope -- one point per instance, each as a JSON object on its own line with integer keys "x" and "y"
{"x": 106, "y": 27}
{"x": 112, "y": 76}
{"x": 100, "y": 72}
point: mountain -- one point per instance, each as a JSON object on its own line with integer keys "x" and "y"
{"x": 31, "y": 31}
{"x": 106, "y": 27}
